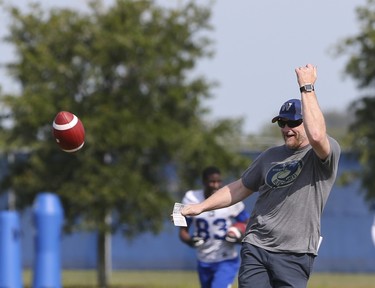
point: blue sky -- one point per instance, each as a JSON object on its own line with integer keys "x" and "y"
{"x": 258, "y": 44}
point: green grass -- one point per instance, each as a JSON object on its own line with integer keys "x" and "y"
{"x": 338, "y": 280}
{"x": 189, "y": 279}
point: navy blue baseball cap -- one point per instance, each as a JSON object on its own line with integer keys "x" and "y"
{"x": 291, "y": 110}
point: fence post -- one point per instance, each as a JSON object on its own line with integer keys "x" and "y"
{"x": 48, "y": 219}
{"x": 10, "y": 256}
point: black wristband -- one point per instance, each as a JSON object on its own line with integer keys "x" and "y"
{"x": 307, "y": 88}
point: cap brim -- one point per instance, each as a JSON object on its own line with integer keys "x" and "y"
{"x": 280, "y": 117}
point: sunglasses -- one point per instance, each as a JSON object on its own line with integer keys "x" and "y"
{"x": 290, "y": 123}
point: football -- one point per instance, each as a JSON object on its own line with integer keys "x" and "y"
{"x": 236, "y": 232}
{"x": 68, "y": 131}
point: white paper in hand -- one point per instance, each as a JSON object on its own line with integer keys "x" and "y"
{"x": 178, "y": 218}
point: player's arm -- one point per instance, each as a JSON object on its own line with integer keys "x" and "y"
{"x": 313, "y": 117}
{"x": 237, "y": 231}
{"x": 224, "y": 197}
{"x": 242, "y": 217}
{"x": 185, "y": 237}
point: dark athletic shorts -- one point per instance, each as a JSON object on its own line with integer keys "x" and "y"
{"x": 264, "y": 269}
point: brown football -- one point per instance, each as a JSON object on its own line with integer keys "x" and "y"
{"x": 236, "y": 232}
{"x": 68, "y": 131}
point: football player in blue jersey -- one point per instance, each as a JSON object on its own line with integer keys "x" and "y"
{"x": 217, "y": 255}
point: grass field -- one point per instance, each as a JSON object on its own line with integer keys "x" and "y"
{"x": 188, "y": 279}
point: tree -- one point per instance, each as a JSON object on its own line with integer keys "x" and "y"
{"x": 126, "y": 72}
{"x": 361, "y": 67}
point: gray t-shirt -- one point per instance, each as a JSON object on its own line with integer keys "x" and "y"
{"x": 293, "y": 188}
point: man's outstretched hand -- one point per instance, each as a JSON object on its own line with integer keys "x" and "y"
{"x": 191, "y": 210}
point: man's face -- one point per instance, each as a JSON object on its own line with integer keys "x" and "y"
{"x": 212, "y": 183}
{"x": 294, "y": 137}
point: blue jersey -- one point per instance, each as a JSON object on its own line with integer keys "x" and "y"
{"x": 212, "y": 226}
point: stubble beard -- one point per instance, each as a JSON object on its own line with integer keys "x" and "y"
{"x": 294, "y": 142}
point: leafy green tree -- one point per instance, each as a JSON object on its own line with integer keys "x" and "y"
{"x": 361, "y": 67}
{"x": 126, "y": 72}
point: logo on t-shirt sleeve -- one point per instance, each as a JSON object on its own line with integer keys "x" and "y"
{"x": 283, "y": 174}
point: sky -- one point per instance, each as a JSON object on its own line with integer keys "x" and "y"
{"x": 258, "y": 44}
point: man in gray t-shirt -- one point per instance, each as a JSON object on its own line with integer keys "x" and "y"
{"x": 293, "y": 181}
{"x": 293, "y": 186}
